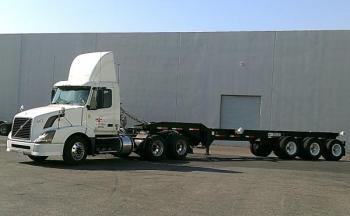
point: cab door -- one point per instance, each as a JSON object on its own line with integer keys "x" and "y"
{"x": 101, "y": 116}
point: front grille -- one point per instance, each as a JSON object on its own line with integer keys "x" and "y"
{"x": 21, "y": 128}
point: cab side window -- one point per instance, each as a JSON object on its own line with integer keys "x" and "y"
{"x": 106, "y": 98}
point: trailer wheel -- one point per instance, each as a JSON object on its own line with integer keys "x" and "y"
{"x": 37, "y": 158}
{"x": 334, "y": 150}
{"x": 75, "y": 150}
{"x": 155, "y": 148}
{"x": 311, "y": 149}
{"x": 287, "y": 148}
{"x": 260, "y": 148}
{"x": 178, "y": 146}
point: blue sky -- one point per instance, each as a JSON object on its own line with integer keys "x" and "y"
{"x": 38, "y": 16}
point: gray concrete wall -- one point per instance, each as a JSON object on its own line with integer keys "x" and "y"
{"x": 302, "y": 77}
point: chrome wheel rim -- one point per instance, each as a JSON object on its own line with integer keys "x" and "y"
{"x": 315, "y": 149}
{"x": 157, "y": 148}
{"x": 181, "y": 147}
{"x": 336, "y": 150}
{"x": 291, "y": 148}
{"x": 78, "y": 151}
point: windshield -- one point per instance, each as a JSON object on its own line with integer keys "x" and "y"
{"x": 71, "y": 95}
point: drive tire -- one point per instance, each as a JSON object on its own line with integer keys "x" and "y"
{"x": 75, "y": 150}
{"x": 334, "y": 150}
{"x": 311, "y": 149}
{"x": 178, "y": 146}
{"x": 37, "y": 159}
{"x": 155, "y": 148}
{"x": 287, "y": 148}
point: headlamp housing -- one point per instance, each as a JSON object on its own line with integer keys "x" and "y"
{"x": 45, "y": 137}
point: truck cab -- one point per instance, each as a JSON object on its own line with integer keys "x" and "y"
{"x": 84, "y": 110}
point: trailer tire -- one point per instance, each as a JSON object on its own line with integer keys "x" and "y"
{"x": 260, "y": 148}
{"x": 75, "y": 150}
{"x": 311, "y": 149}
{"x": 155, "y": 148}
{"x": 37, "y": 159}
{"x": 334, "y": 150}
{"x": 287, "y": 148}
{"x": 178, "y": 146}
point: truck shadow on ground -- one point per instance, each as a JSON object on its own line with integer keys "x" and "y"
{"x": 262, "y": 159}
{"x": 131, "y": 164}
{"x": 134, "y": 163}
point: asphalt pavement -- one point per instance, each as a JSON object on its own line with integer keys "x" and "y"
{"x": 228, "y": 182}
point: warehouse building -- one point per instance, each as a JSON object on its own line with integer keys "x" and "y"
{"x": 288, "y": 80}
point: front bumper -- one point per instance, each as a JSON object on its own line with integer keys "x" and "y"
{"x": 30, "y": 148}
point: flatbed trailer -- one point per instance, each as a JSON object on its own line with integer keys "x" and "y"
{"x": 285, "y": 144}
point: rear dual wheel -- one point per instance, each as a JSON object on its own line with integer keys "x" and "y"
{"x": 154, "y": 148}
{"x": 311, "y": 149}
{"x": 174, "y": 146}
{"x": 178, "y": 146}
{"x": 287, "y": 148}
{"x": 334, "y": 150}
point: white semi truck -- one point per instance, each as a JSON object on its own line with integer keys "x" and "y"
{"x": 84, "y": 119}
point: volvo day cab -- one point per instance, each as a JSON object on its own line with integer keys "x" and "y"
{"x": 84, "y": 119}
{"x": 84, "y": 109}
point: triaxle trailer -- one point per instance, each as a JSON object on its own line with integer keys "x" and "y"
{"x": 84, "y": 118}
{"x": 285, "y": 144}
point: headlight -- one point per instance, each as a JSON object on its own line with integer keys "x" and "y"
{"x": 46, "y": 137}
{"x": 341, "y": 133}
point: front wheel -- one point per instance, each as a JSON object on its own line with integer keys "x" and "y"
{"x": 37, "y": 158}
{"x": 75, "y": 150}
